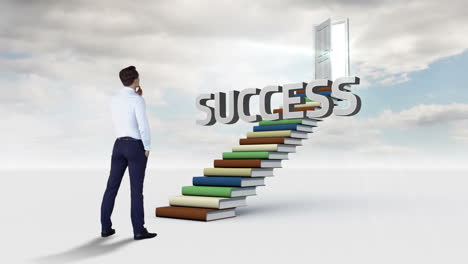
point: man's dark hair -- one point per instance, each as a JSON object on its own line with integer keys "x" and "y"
{"x": 128, "y": 75}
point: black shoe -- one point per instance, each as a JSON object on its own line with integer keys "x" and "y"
{"x": 144, "y": 235}
{"x": 107, "y": 233}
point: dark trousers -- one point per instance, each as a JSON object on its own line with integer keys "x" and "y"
{"x": 125, "y": 153}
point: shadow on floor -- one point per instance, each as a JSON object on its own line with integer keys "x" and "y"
{"x": 298, "y": 206}
{"x": 94, "y": 248}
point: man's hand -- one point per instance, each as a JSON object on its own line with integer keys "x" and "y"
{"x": 147, "y": 153}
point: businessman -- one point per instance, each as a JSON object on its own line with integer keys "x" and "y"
{"x": 131, "y": 149}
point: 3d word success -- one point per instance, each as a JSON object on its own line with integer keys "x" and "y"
{"x": 239, "y": 102}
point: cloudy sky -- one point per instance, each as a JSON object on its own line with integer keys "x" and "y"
{"x": 59, "y": 64}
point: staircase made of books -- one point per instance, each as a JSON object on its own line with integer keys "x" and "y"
{"x": 236, "y": 176}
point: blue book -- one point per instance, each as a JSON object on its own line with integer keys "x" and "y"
{"x": 275, "y": 127}
{"x": 326, "y": 93}
{"x": 228, "y": 181}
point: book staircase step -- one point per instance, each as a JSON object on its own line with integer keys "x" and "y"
{"x": 264, "y": 147}
{"x": 228, "y": 181}
{"x": 306, "y": 104}
{"x": 271, "y": 140}
{"x": 325, "y": 93}
{"x": 218, "y": 191}
{"x": 221, "y": 189}
{"x": 243, "y": 172}
{"x": 207, "y": 201}
{"x": 255, "y": 155}
{"x": 297, "y": 127}
{"x": 320, "y": 89}
{"x": 277, "y": 133}
{"x": 302, "y": 121}
{"x": 195, "y": 213}
{"x": 296, "y": 109}
{"x": 247, "y": 163}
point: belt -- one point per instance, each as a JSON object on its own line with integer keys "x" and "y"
{"x": 127, "y": 138}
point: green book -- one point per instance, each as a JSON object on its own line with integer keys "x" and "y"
{"x": 280, "y": 122}
{"x": 307, "y": 99}
{"x": 218, "y": 191}
{"x": 255, "y": 155}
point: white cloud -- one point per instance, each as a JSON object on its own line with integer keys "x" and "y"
{"x": 68, "y": 55}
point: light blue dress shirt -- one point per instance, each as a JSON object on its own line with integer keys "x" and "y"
{"x": 129, "y": 116}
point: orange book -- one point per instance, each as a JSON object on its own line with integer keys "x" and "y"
{"x": 296, "y": 109}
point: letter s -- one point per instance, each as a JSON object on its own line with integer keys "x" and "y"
{"x": 339, "y": 91}
{"x": 326, "y": 103}
{"x": 201, "y": 105}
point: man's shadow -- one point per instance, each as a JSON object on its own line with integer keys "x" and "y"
{"x": 94, "y": 248}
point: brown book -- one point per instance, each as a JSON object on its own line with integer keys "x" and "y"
{"x": 269, "y": 140}
{"x": 194, "y": 213}
{"x": 247, "y": 163}
{"x": 321, "y": 89}
{"x": 296, "y": 109}
{"x": 238, "y": 163}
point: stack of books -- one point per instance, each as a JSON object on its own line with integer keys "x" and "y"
{"x": 226, "y": 186}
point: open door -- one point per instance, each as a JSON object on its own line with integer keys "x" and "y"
{"x": 322, "y": 50}
{"x": 332, "y": 49}
{"x": 340, "y": 49}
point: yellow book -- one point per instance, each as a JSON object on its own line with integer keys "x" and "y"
{"x": 207, "y": 201}
{"x": 306, "y": 104}
{"x": 265, "y": 147}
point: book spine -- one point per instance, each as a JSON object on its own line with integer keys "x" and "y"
{"x": 238, "y": 163}
{"x": 275, "y": 127}
{"x": 217, "y": 181}
{"x": 259, "y": 147}
{"x": 280, "y": 122}
{"x": 278, "y": 133}
{"x": 265, "y": 140}
{"x": 246, "y": 172}
{"x": 245, "y": 155}
{"x": 207, "y": 191}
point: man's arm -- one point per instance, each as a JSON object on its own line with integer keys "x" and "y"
{"x": 143, "y": 124}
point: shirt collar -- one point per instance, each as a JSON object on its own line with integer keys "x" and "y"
{"x": 126, "y": 89}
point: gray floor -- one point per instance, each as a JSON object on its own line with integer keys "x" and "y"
{"x": 327, "y": 216}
